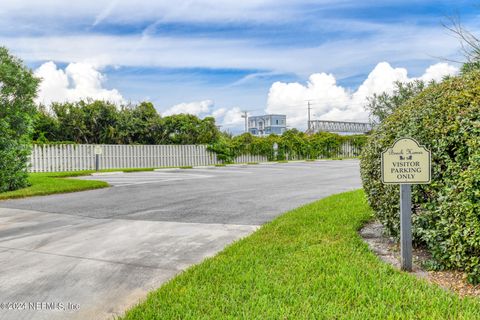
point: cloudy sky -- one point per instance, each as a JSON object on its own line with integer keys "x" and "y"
{"x": 217, "y": 58}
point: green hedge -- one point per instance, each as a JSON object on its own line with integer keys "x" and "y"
{"x": 292, "y": 144}
{"x": 18, "y": 88}
{"x": 445, "y": 118}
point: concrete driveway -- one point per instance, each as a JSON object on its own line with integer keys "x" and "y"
{"x": 93, "y": 254}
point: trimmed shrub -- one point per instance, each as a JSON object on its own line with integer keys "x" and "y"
{"x": 445, "y": 117}
{"x": 18, "y": 88}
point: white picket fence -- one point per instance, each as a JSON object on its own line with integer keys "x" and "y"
{"x": 74, "y": 157}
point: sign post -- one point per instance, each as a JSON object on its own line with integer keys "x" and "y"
{"x": 406, "y": 163}
{"x": 406, "y": 226}
{"x": 98, "y": 151}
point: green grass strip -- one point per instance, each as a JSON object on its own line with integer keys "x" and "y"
{"x": 309, "y": 263}
{"x": 51, "y": 183}
{"x": 55, "y": 182}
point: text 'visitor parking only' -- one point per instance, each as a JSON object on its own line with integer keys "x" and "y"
{"x": 406, "y": 162}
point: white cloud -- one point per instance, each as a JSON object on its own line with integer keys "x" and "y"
{"x": 198, "y": 108}
{"x": 333, "y": 102}
{"x": 77, "y": 81}
{"x": 438, "y": 71}
{"x": 231, "y": 118}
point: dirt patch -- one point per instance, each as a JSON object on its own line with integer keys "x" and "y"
{"x": 389, "y": 251}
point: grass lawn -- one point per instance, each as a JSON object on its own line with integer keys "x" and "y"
{"x": 309, "y": 263}
{"x": 56, "y": 182}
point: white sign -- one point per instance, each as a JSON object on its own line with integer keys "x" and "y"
{"x": 98, "y": 150}
{"x": 406, "y": 162}
{"x": 275, "y": 146}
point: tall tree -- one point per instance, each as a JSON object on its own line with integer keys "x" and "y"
{"x": 147, "y": 126}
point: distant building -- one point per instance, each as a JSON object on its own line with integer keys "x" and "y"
{"x": 267, "y": 124}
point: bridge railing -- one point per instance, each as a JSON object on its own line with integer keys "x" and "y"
{"x": 339, "y": 126}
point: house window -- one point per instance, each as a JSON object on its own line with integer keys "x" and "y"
{"x": 276, "y": 121}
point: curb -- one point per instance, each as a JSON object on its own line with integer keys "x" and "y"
{"x": 106, "y": 173}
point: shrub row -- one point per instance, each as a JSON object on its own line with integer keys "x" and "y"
{"x": 292, "y": 144}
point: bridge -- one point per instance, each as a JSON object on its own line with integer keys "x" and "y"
{"x": 338, "y": 126}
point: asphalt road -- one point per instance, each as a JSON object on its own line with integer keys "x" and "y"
{"x": 92, "y": 254}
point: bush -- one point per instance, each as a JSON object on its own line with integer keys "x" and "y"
{"x": 292, "y": 144}
{"x": 223, "y": 149}
{"x": 445, "y": 117}
{"x": 18, "y": 88}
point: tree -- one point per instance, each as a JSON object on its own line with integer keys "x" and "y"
{"x": 100, "y": 119}
{"x": 469, "y": 43}
{"x": 46, "y": 127}
{"x": 85, "y": 121}
{"x": 70, "y": 118}
{"x": 146, "y": 124}
{"x": 18, "y": 88}
{"x": 95, "y": 121}
{"x": 188, "y": 129}
{"x": 382, "y": 105}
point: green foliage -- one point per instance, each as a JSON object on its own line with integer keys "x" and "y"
{"x": 292, "y": 144}
{"x": 445, "y": 118}
{"x": 101, "y": 122}
{"x": 18, "y": 88}
{"x": 309, "y": 263}
{"x": 382, "y": 105}
{"x": 470, "y": 66}
{"x": 223, "y": 148}
{"x": 188, "y": 129}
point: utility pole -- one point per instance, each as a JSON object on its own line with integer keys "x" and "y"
{"x": 309, "y": 108}
{"x": 245, "y": 115}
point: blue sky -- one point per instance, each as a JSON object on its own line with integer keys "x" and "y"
{"x": 229, "y": 53}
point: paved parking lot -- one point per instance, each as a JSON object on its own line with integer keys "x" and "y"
{"x": 103, "y": 250}
{"x": 160, "y": 176}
